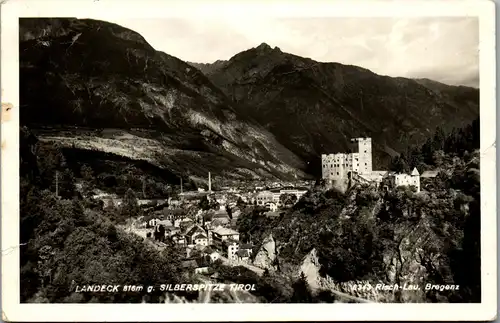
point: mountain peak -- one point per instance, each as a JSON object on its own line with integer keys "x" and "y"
{"x": 266, "y": 48}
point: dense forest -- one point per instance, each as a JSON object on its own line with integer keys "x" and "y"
{"x": 440, "y": 149}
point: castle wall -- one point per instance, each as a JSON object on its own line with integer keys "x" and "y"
{"x": 336, "y": 167}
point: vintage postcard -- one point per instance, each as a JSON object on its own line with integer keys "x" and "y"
{"x": 229, "y": 161}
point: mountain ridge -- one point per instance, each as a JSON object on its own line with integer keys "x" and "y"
{"x": 263, "y": 112}
{"x": 323, "y": 105}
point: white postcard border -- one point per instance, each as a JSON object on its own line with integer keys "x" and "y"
{"x": 12, "y": 310}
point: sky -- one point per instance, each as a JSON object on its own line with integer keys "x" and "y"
{"x": 445, "y": 49}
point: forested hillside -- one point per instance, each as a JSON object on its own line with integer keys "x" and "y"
{"x": 67, "y": 239}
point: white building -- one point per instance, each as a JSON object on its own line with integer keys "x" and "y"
{"x": 358, "y": 164}
{"x": 200, "y": 239}
{"x": 273, "y": 206}
{"x": 337, "y": 166}
{"x": 232, "y": 249}
{"x": 408, "y": 180}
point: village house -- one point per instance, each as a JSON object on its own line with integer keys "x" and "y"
{"x": 193, "y": 230}
{"x": 189, "y": 264}
{"x": 297, "y": 191}
{"x": 171, "y": 230}
{"x": 246, "y": 246}
{"x": 173, "y": 214}
{"x": 232, "y": 249}
{"x": 221, "y": 234}
{"x": 243, "y": 255}
{"x": 265, "y": 197}
{"x": 179, "y": 239}
{"x": 198, "y": 238}
{"x": 273, "y": 207}
{"x": 203, "y": 263}
{"x": 173, "y": 202}
{"x": 153, "y": 222}
{"x": 165, "y": 223}
{"x": 211, "y": 253}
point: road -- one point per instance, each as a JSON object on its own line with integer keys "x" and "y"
{"x": 227, "y": 262}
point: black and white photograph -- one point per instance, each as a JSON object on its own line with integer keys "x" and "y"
{"x": 250, "y": 159}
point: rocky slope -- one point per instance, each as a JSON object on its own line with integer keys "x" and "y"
{"x": 266, "y": 256}
{"x": 139, "y": 103}
{"x": 348, "y": 243}
{"x": 313, "y": 107}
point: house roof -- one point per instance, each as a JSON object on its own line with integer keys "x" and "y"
{"x": 246, "y": 246}
{"x": 199, "y": 236}
{"x": 415, "y": 172}
{"x": 243, "y": 253}
{"x": 189, "y": 264}
{"x": 430, "y": 173}
{"x": 165, "y": 223}
{"x": 220, "y": 222}
{"x": 224, "y": 231}
{"x": 231, "y": 241}
{"x": 208, "y": 250}
{"x": 202, "y": 262}
{"x": 195, "y": 229}
{"x": 220, "y": 214}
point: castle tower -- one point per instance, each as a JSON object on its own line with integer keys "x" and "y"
{"x": 363, "y": 155}
{"x": 415, "y": 177}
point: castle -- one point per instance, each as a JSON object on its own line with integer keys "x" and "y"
{"x": 357, "y": 165}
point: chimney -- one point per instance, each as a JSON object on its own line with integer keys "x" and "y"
{"x": 209, "y": 183}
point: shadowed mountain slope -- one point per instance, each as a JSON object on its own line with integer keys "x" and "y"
{"x": 137, "y": 102}
{"x": 314, "y": 108}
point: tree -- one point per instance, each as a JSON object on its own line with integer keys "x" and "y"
{"x": 438, "y": 158}
{"x": 66, "y": 184}
{"x": 87, "y": 173}
{"x": 240, "y": 202}
{"x": 400, "y": 165}
{"x": 229, "y": 212}
{"x": 160, "y": 233}
{"x": 130, "y": 207}
{"x": 204, "y": 203}
{"x": 288, "y": 199}
{"x": 438, "y": 141}
{"x": 301, "y": 291}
